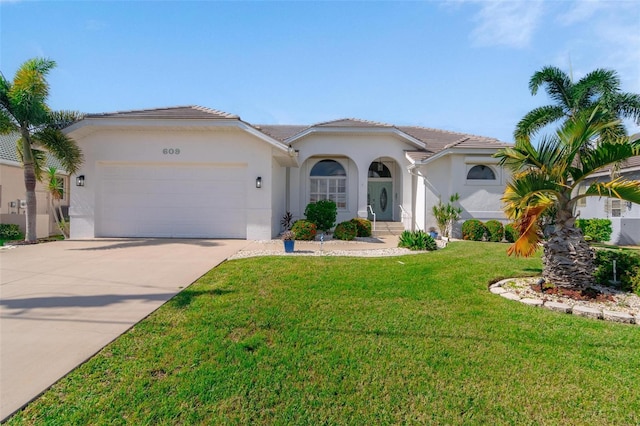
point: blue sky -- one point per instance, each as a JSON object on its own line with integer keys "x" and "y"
{"x": 454, "y": 65}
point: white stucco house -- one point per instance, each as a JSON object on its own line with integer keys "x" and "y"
{"x": 624, "y": 215}
{"x": 197, "y": 172}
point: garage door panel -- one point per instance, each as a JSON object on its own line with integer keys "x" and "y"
{"x": 173, "y": 201}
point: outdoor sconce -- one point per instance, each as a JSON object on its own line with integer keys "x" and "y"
{"x": 258, "y": 182}
{"x": 80, "y": 180}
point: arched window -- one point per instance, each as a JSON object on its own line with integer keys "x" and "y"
{"x": 328, "y": 181}
{"x": 481, "y": 172}
{"x": 377, "y": 169}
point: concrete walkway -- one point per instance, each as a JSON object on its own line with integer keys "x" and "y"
{"x": 62, "y": 302}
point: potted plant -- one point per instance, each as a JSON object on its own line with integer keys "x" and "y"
{"x": 288, "y": 237}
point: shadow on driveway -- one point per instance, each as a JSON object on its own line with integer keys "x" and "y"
{"x": 146, "y": 242}
{"x": 80, "y": 301}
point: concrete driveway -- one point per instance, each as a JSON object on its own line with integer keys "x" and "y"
{"x": 62, "y": 302}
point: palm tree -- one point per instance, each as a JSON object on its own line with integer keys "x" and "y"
{"x": 23, "y": 108}
{"x": 547, "y": 177}
{"x": 600, "y": 87}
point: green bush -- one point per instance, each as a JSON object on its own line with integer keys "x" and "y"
{"x": 323, "y": 213}
{"x": 9, "y": 231}
{"x": 304, "y": 230}
{"x": 363, "y": 226}
{"x": 473, "y": 230}
{"x": 495, "y": 230}
{"x": 511, "y": 234}
{"x": 634, "y": 280}
{"x": 595, "y": 229}
{"x": 627, "y": 264}
{"x": 417, "y": 240}
{"x": 346, "y": 231}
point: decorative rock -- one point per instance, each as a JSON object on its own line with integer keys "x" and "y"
{"x": 532, "y": 302}
{"x": 619, "y": 317}
{"x": 497, "y": 290}
{"x": 510, "y": 296}
{"x": 585, "y": 311}
{"x": 558, "y": 307}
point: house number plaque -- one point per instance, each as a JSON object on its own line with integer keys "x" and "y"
{"x": 171, "y": 151}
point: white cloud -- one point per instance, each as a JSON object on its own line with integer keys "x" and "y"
{"x": 506, "y": 23}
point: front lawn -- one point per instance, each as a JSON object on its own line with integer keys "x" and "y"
{"x": 324, "y": 340}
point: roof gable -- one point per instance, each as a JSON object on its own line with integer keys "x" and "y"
{"x": 190, "y": 112}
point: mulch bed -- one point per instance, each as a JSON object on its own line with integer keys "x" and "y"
{"x": 589, "y": 294}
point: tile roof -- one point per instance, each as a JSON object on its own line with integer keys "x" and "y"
{"x": 191, "y": 112}
{"x": 351, "y": 122}
{"x": 8, "y": 151}
{"x": 280, "y": 132}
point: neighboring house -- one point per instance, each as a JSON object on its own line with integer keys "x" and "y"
{"x": 196, "y": 172}
{"x": 12, "y": 190}
{"x": 624, "y": 215}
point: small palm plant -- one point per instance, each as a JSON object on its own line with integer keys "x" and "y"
{"x": 55, "y": 188}
{"x": 547, "y": 177}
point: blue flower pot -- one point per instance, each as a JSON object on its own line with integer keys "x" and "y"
{"x": 288, "y": 246}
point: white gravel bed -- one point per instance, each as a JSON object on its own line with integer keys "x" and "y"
{"x": 622, "y": 301}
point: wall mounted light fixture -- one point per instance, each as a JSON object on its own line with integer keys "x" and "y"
{"x": 80, "y": 180}
{"x": 258, "y": 182}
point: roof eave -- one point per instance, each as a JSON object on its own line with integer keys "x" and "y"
{"x": 356, "y": 130}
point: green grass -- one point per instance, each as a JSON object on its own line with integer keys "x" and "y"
{"x": 323, "y": 340}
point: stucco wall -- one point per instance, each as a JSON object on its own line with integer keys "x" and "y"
{"x": 447, "y": 175}
{"x": 202, "y": 146}
{"x": 355, "y": 152}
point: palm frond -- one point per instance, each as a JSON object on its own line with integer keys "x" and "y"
{"x": 604, "y": 154}
{"x": 30, "y": 90}
{"x": 557, "y": 84}
{"x": 7, "y": 123}
{"x": 596, "y": 85}
{"x": 627, "y": 105}
{"x": 527, "y": 224}
{"x": 537, "y": 119}
{"x": 621, "y": 188}
{"x": 61, "y": 119}
{"x": 530, "y": 188}
{"x": 39, "y": 158}
{"x": 61, "y": 146}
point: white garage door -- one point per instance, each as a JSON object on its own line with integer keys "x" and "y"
{"x": 185, "y": 201}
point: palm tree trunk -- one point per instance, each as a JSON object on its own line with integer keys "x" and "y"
{"x": 30, "y": 187}
{"x": 568, "y": 260}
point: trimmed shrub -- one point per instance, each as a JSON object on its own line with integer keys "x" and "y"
{"x": 598, "y": 230}
{"x": 346, "y": 231}
{"x": 323, "y": 213}
{"x": 10, "y": 231}
{"x": 634, "y": 280}
{"x": 363, "y": 226}
{"x": 473, "y": 230}
{"x": 511, "y": 234}
{"x": 304, "y": 230}
{"x": 495, "y": 230}
{"x": 627, "y": 264}
{"x": 417, "y": 240}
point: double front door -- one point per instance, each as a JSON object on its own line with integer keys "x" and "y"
{"x": 380, "y": 198}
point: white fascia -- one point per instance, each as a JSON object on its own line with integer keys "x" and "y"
{"x": 449, "y": 151}
{"x": 357, "y": 130}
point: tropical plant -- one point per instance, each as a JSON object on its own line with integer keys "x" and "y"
{"x": 288, "y": 235}
{"x": 304, "y": 230}
{"x": 55, "y": 188}
{"x": 627, "y": 264}
{"x": 495, "y": 230}
{"x": 599, "y": 88}
{"x": 23, "y": 109}
{"x": 323, "y": 213}
{"x": 286, "y": 221}
{"x": 548, "y": 176}
{"x": 447, "y": 214}
{"x": 363, "y": 226}
{"x": 473, "y": 230}
{"x": 417, "y": 240}
{"x": 346, "y": 231}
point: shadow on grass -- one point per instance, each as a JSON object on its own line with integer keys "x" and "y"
{"x": 184, "y": 298}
